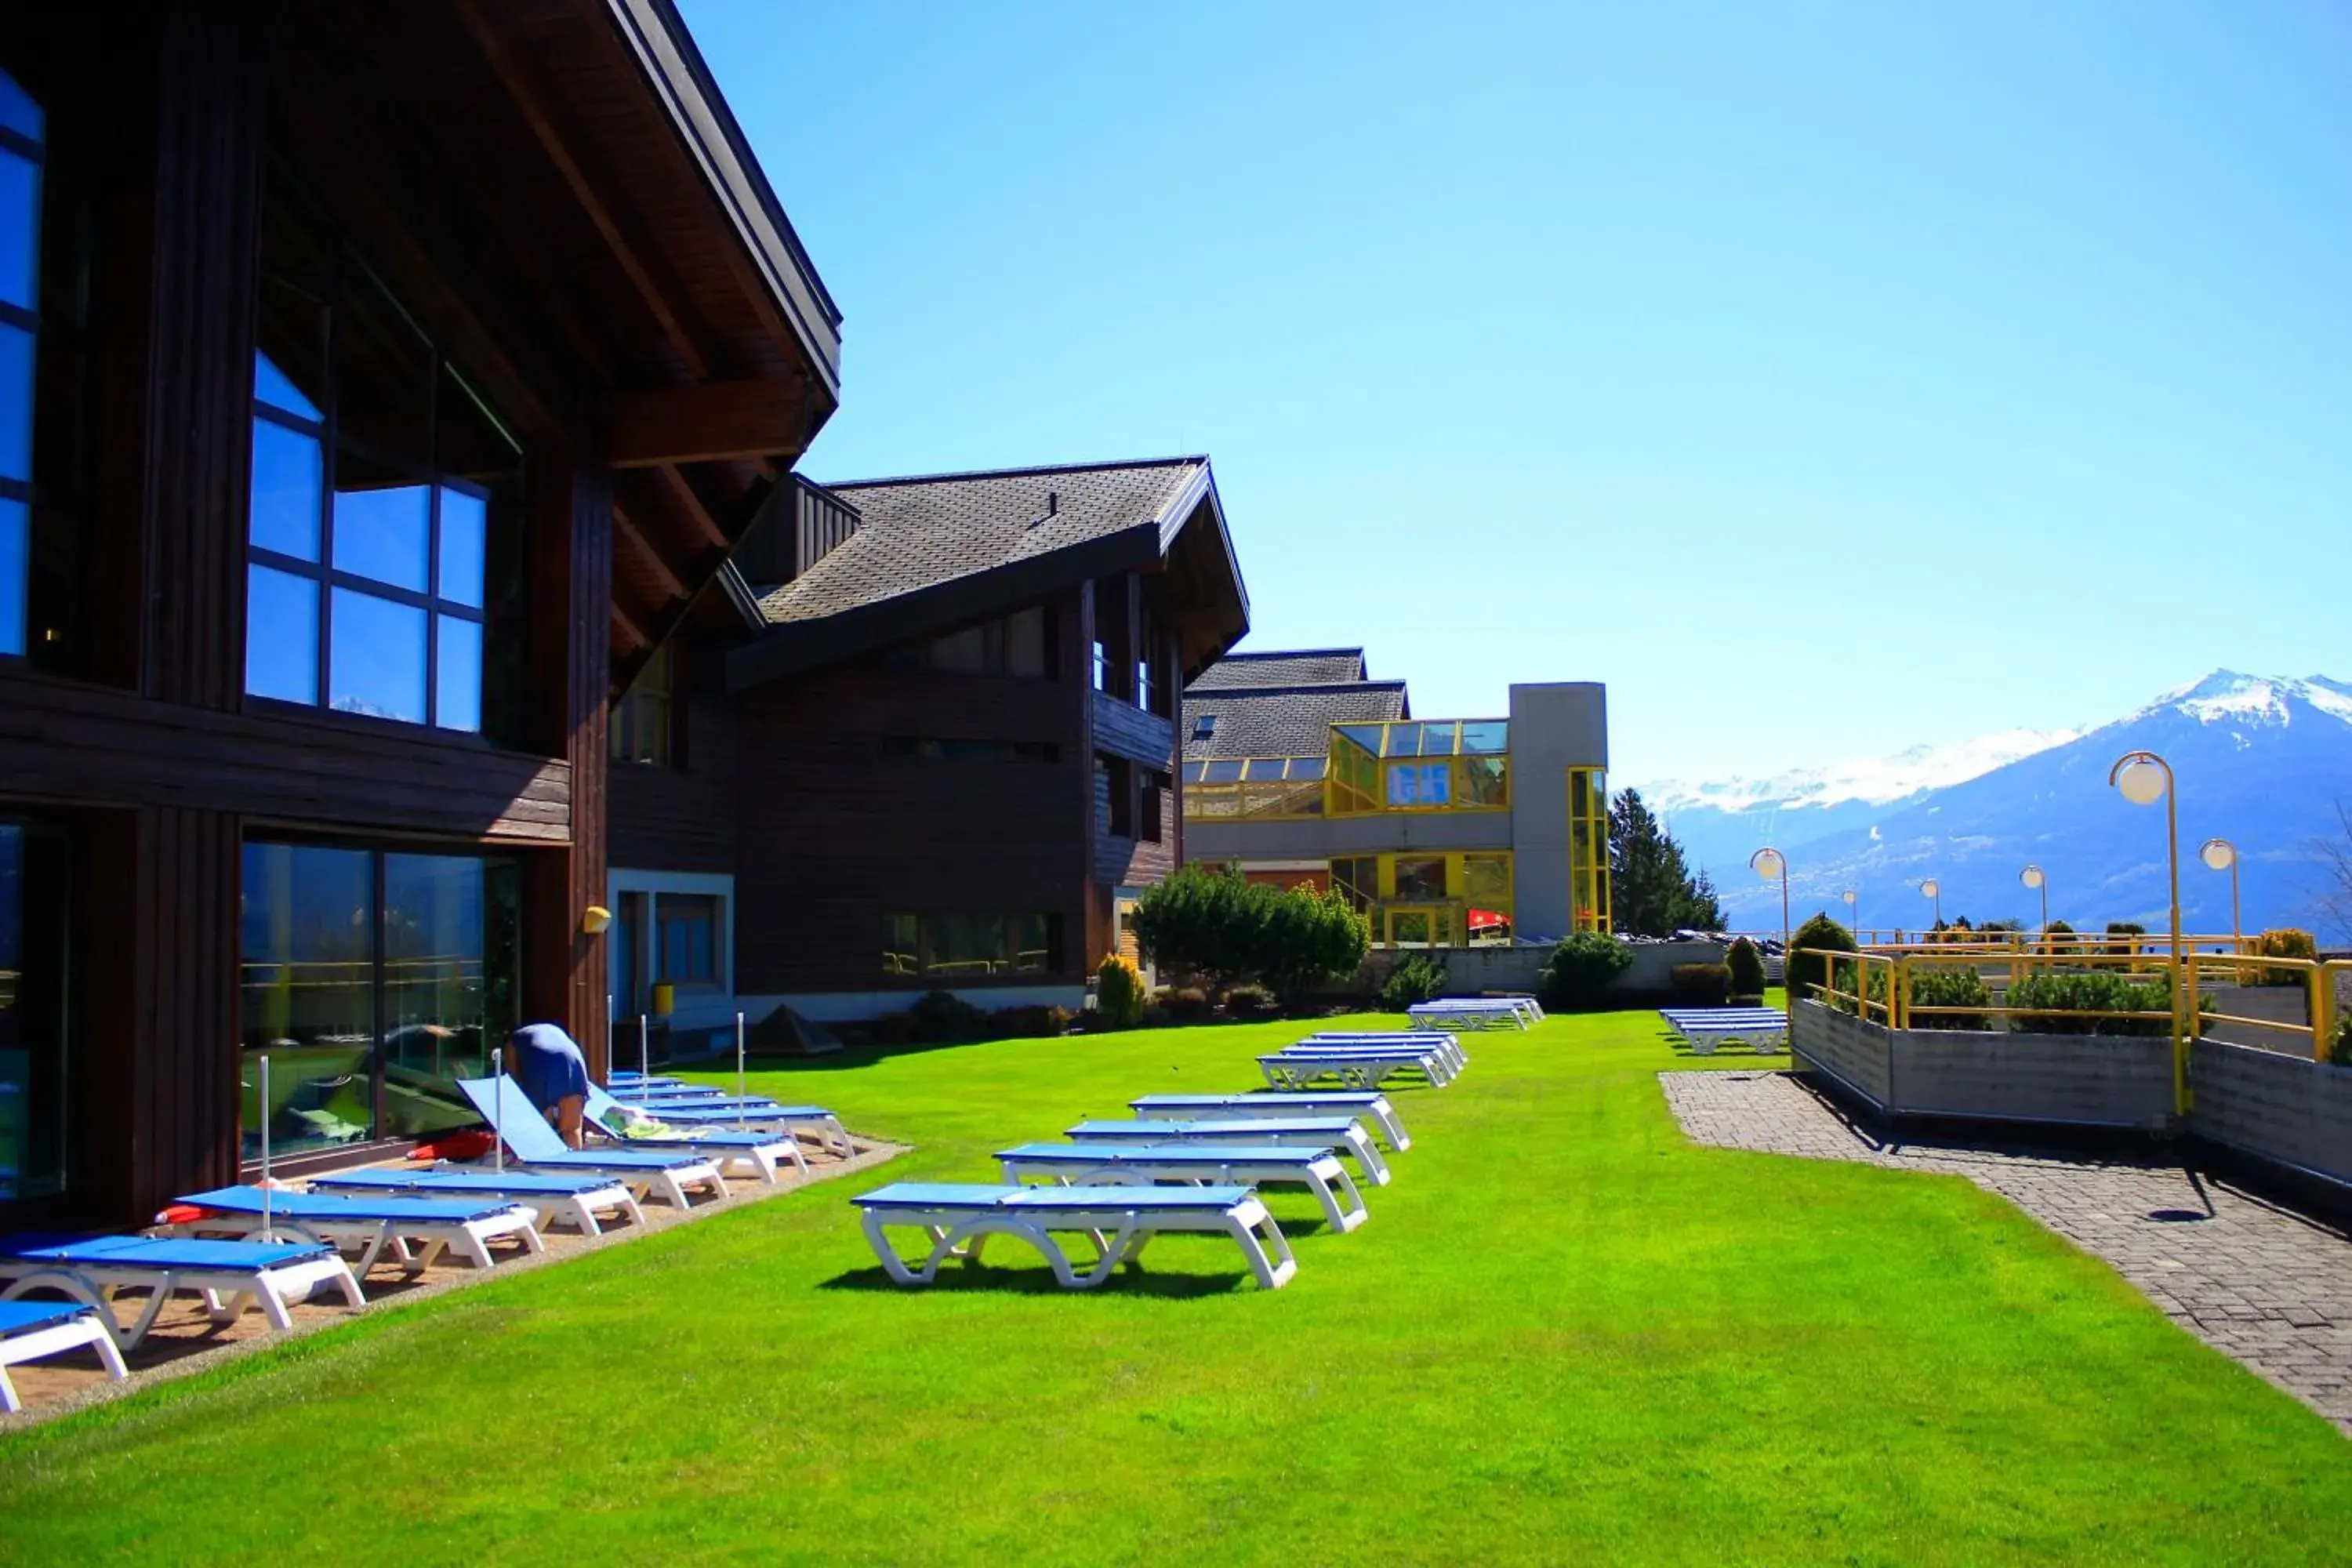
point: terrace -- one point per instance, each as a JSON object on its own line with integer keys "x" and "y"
{"x": 1555, "y": 1323}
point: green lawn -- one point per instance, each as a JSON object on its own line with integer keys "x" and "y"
{"x": 1565, "y": 1335}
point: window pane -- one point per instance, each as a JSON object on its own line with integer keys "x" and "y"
{"x": 18, "y": 112}
{"x": 15, "y": 547}
{"x": 287, "y": 475}
{"x": 1264, "y": 768}
{"x": 1485, "y": 735}
{"x": 383, "y": 380}
{"x": 1418, "y": 880}
{"x": 307, "y": 934}
{"x": 1036, "y": 944}
{"x": 900, "y": 951}
{"x": 282, "y": 636}
{"x": 1485, "y": 781}
{"x": 33, "y": 926}
{"x": 465, "y": 530}
{"x": 962, "y": 653}
{"x": 1419, "y": 784}
{"x": 1306, "y": 767}
{"x": 451, "y": 966}
{"x": 376, "y": 665}
{"x": 16, "y": 404}
{"x": 20, "y": 230}
{"x": 1024, "y": 643}
{"x": 385, "y": 534}
{"x": 1224, "y": 773}
{"x": 688, "y": 945}
{"x": 273, "y": 386}
{"x": 457, "y": 680}
{"x": 965, "y": 945}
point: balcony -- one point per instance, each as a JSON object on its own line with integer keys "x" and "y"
{"x": 1126, "y": 730}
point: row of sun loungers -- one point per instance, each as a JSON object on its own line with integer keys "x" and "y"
{"x": 1184, "y": 1163}
{"x": 1476, "y": 1013}
{"x": 277, "y": 1247}
{"x": 1706, "y": 1027}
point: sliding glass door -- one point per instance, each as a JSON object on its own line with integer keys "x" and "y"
{"x": 372, "y": 980}
{"x": 33, "y": 921}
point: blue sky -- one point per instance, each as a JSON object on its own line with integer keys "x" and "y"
{"x": 1825, "y": 378}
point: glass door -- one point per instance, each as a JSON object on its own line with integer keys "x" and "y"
{"x": 34, "y": 921}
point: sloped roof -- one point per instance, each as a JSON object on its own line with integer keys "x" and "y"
{"x": 920, "y": 532}
{"x": 1284, "y": 721}
{"x": 1296, "y": 666}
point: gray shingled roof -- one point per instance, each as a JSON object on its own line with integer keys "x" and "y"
{"x": 1299, "y": 667}
{"x": 1284, "y": 721}
{"x": 916, "y": 533}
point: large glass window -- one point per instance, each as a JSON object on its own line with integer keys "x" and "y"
{"x": 381, "y": 487}
{"x": 971, "y": 946}
{"x": 34, "y": 922}
{"x": 1419, "y": 880}
{"x": 690, "y": 927}
{"x": 22, "y": 126}
{"x": 1414, "y": 784}
{"x": 370, "y": 981}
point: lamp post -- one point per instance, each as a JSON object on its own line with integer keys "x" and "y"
{"x": 1853, "y": 911}
{"x": 2222, "y": 856}
{"x": 2033, "y": 877}
{"x": 2146, "y": 778}
{"x": 1931, "y": 888}
{"x": 1769, "y": 863}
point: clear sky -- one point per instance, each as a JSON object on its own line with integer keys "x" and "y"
{"x": 1825, "y": 378}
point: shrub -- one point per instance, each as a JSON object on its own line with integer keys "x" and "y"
{"x": 1252, "y": 1002}
{"x": 1029, "y": 1023}
{"x": 2059, "y": 1003}
{"x": 1746, "y": 967}
{"x": 895, "y": 1029}
{"x": 1187, "y": 1005}
{"x": 1701, "y": 984}
{"x": 2282, "y": 942}
{"x": 1417, "y": 979}
{"x": 1217, "y": 924}
{"x": 1305, "y": 938}
{"x": 1945, "y": 988}
{"x": 1805, "y": 973}
{"x": 2340, "y": 1051}
{"x": 1581, "y": 969}
{"x": 1118, "y": 994}
{"x": 2059, "y": 938}
{"x": 942, "y": 1018}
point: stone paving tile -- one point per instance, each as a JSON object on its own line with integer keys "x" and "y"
{"x": 2259, "y": 1283}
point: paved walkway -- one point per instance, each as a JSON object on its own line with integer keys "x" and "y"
{"x": 2256, "y": 1282}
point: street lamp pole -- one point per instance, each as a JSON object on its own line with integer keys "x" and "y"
{"x": 1769, "y": 863}
{"x": 1935, "y": 890}
{"x": 2033, "y": 877}
{"x": 1854, "y": 912}
{"x": 2144, "y": 778}
{"x": 2222, "y": 856}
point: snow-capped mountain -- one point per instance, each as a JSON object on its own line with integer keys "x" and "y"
{"x": 2262, "y": 761}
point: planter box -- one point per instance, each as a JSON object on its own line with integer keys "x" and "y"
{"x": 2290, "y": 1110}
{"x": 1843, "y": 1048}
{"x": 2275, "y": 1003}
{"x": 2087, "y": 1080}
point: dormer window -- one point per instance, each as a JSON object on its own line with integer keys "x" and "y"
{"x": 1204, "y": 726}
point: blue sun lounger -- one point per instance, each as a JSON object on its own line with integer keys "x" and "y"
{"x": 959, "y": 1218}
{"x": 536, "y": 1146}
{"x": 576, "y": 1201}
{"x": 1344, "y": 1133}
{"x": 274, "y": 1276}
{"x": 752, "y": 1112}
{"x": 30, "y": 1330}
{"x": 1475, "y": 1012}
{"x": 1353, "y": 1067}
{"x": 368, "y": 1225}
{"x": 1369, "y": 1106}
{"x": 1763, "y": 1028}
{"x": 764, "y": 1154}
{"x": 1447, "y": 1045}
{"x": 1202, "y": 1165}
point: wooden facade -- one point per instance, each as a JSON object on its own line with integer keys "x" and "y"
{"x": 553, "y": 192}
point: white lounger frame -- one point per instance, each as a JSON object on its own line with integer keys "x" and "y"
{"x": 225, "y": 1292}
{"x": 1294, "y": 1072}
{"x": 33, "y": 1344}
{"x": 1318, "y": 1171}
{"x": 1119, "y": 1234}
{"x": 670, "y": 1186}
{"x": 578, "y": 1210}
{"x": 370, "y": 1239}
{"x": 1379, "y": 1114}
{"x": 1443, "y": 1042}
{"x": 1493, "y": 1013}
{"x": 1354, "y": 1141}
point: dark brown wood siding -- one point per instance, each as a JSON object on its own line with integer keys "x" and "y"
{"x": 833, "y": 835}
{"x": 680, "y": 818}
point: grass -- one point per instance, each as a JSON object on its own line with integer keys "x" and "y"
{"x": 1565, "y": 1335}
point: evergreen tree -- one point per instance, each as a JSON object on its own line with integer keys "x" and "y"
{"x": 1651, "y": 886}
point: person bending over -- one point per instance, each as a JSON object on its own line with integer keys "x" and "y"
{"x": 547, "y": 1064}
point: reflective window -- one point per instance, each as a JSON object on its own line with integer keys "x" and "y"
{"x": 372, "y": 981}
{"x": 1420, "y": 879}
{"x": 901, "y": 945}
{"x": 1419, "y": 784}
{"x": 1485, "y": 781}
{"x": 687, "y": 927}
{"x": 22, "y": 128}
{"x": 640, "y": 727}
{"x": 380, "y": 478}
{"x": 35, "y": 924}
{"x": 1224, "y": 773}
{"x": 963, "y": 944}
{"x": 971, "y": 946}
{"x": 1485, "y": 736}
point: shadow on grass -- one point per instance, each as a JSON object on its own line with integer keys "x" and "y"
{"x": 1130, "y": 1280}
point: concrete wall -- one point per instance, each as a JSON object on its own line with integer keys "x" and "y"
{"x": 2091, "y": 1080}
{"x": 1844, "y": 1047}
{"x": 1471, "y": 970}
{"x": 1325, "y": 838}
{"x": 1554, "y": 727}
{"x": 2277, "y": 1003}
{"x": 2298, "y": 1112}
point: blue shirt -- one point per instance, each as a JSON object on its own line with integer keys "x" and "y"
{"x": 547, "y": 1063}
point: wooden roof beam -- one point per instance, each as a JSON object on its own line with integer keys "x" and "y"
{"x": 641, "y": 545}
{"x": 716, "y": 421}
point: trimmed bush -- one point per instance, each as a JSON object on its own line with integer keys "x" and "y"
{"x": 2284, "y": 942}
{"x": 944, "y": 1019}
{"x": 1804, "y": 974}
{"x": 1252, "y": 1002}
{"x": 2340, "y": 1052}
{"x": 2059, "y": 998}
{"x": 1118, "y": 994}
{"x": 1029, "y": 1023}
{"x": 1746, "y": 967}
{"x": 1701, "y": 984}
{"x": 1945, "y": 988}
{"x": 2060, "y": 938}
{"x": 1226, "y": 928}
{"x": 1417, "y": 978}
{"x": 1187, "y": 1004}
{"x": 1581, "y": 969}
